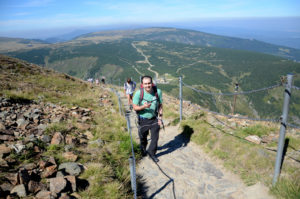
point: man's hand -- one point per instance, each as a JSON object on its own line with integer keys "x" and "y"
{"x": 159, "y": 121}
{"x": 147, "y": 105}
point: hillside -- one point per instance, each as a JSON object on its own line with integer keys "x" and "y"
{"x": 60, "y": 137}
{"x": 193, "y": 38}
{"x": 207, "y": 68}
{"x": 13, "y": 44}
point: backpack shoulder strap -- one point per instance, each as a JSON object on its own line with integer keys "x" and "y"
{"x": 141, "y": 95}
{"x": 156, "y": 94}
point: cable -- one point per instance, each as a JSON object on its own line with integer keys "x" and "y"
{"x": 236, "y": 93}
{"x": 295, "y": 87}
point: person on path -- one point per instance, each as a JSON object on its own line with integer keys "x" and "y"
{"x": 129, "y": 87}
{"x": 147, "y": 102}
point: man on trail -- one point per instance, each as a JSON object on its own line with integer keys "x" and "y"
{"x": 129, "y": 88}
{"x": 147, "y": 102}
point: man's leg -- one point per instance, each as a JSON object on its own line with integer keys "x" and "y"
{"x": 130, "y": 101}
{"x": 154, "y": 139}
{"x": 143, "y": 133}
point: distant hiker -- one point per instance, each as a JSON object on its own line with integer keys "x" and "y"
{"x": 147, "y": 102}
{"x": 129, "y": 87}
{"x": 97, "y": 81}
{"x": 103, "y": 80}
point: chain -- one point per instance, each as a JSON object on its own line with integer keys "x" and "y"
{"x": 236, "y": 93}
{"x": 295, "y": 87}
{"x": 237, "y": 117}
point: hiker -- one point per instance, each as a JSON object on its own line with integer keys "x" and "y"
{"x": 103, "y": 80}
{"x": 129, "y": 87}
{"x": 147, "y": 102}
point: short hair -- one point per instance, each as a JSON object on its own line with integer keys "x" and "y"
{"x": 128, "y": 79}
{"x": 147, "y": 77}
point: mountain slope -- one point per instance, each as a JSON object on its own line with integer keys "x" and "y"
{"x": 205, "y": 68}
{"x": 194, "y": 38}
{"x": 13, "y": 44}
{"x": 56, "y": 129}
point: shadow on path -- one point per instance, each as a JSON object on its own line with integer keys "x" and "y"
{"x": 171, "y": 180}
{"x": 179, "y": 141}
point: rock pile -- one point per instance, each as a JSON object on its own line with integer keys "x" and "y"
{"x": 26, "y": 170}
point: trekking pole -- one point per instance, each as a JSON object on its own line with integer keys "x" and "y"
{"x": 285, "y": 111}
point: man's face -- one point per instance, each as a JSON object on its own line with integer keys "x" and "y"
{"x": 147, "y": 84}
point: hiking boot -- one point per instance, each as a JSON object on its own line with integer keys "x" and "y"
{"x": 144, "y": 152}
{"x": 155, "y": 159}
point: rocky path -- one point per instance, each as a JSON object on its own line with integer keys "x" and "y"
{"x": 185, "y": 171}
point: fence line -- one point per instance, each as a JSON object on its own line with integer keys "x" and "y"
{"x": 235, "y": 93}
{"x": 237, "y": 117}
{"x": 295, "y": 87}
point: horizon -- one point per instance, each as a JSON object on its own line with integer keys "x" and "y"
{"x": 48, "y": 18}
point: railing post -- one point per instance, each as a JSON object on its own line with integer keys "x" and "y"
{"x": 180, "y": 97}
{"x": 119, "y": 102}
{"x": 132, "y": 176}
{"x": 131, "y": 159}
{"x": 281, "y": 139}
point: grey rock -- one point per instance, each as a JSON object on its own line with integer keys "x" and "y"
{"x": 45, "y": 138}
{"x": 44, "y": 195}
{"x": 71, "y": 168}
{"x": 42, "y": 127}
{"x": 68, "y": 148}
{"x": 22, "y": 123}
{"x": 57, "y": 184}
{"x": 19, "y": 190}
{"x": 98, "y": 142}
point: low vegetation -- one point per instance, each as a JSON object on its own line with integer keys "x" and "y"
{"x": 253, "y": 162}
{"x": 105, "y": 158}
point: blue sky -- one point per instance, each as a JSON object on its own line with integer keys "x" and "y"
{"x": 25, "y": 15}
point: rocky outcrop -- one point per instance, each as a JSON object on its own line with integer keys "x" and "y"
{"x": 26, "y": 133}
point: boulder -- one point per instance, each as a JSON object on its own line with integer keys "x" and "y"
{"x": 22, "y": 123}
{"x": 2, "y": 126}
{"x": 6, "y": 187}
{"x": 45, "y": 138}
{"x": 57, "y": 184}
{"x": 57, "y": 138}
{"x": 49, "y": 171}
{"x": 7, "y": 138}
{"x": 72, "y": 181}
{"x": 19, "y": 190}
{"x": 254, "y": 139}
{"x": 44, "y": 195}
{"x": 89, "y": 135}
{"x": 12, "y": 178}
{"x": 64, "y": 196}
{"x": 4, "y": 149}
{"x": 70, "y": 156}
{"x": 71, "y": 168}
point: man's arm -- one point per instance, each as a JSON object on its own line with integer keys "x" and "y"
{"x": 142, "y": 107}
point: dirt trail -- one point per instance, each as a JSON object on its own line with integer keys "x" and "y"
{"x": 146, "y": 60}
{"x": 185, "y": 171}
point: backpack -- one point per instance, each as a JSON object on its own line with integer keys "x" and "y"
{"x": 154, "y": 87}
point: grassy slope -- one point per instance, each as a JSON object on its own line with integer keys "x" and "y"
{"x": 206, "y": 68}
{"x": 194, "y": 38}
{"x": 108, "y": 172}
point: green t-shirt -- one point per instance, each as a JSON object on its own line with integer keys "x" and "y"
{"x": 150, "y": 98}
